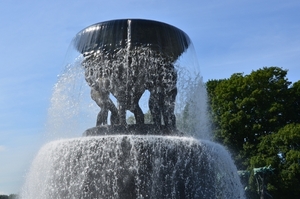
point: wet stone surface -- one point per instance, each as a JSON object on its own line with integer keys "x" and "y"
{"x": 133, "y": 129}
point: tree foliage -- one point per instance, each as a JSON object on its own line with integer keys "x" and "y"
{"x": 282, "y": 151}
{"x": 11, "y": 196}
{"x": 256, "y": 117}
{"x": 248, "y": 107}
{"x": 294, "y": 108}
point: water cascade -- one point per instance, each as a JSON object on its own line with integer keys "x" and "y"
{"x": 123, "y": 62}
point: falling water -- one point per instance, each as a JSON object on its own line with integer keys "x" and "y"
{"x": 126, "y": 166}
{"x": 130, "y": 166}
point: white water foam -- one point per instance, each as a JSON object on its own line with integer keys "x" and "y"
{"x": 127, "y": 166}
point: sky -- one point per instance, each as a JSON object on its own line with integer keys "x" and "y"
{"x": 232, "y": 36}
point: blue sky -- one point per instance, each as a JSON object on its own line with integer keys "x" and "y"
{"x": 229, "y": 36}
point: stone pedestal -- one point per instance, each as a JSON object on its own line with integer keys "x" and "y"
{"x": 132, "y": 129}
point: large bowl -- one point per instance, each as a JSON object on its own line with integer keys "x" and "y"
{"x": 130, "y": 33}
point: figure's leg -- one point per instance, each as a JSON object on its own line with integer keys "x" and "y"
{"x": 168, "y": 109}
{"x": 169, "y": 82}
{"x": 155, "y": 106}
{"x": 99, "y": 97}
{"x": 114, "y": 118}
{"x": 136, "y": 109}
{"x": 138, "y": 114}
{"x": 122, "y": 114}
{"x": 102, "y": 117}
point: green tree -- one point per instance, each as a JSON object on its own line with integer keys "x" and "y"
{"x": 11, "y": 196}
{"x": 281, "y": 150}
{"x": 245, "y": 108}
{"x": 213, "y": 109}
{"x": 294, "y": 102}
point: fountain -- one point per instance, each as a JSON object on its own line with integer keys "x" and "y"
{"x": 163, "y": 158}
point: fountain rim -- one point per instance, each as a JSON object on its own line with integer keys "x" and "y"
{"x": 133, "y": 19}
{"x": 84, "y": 43}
